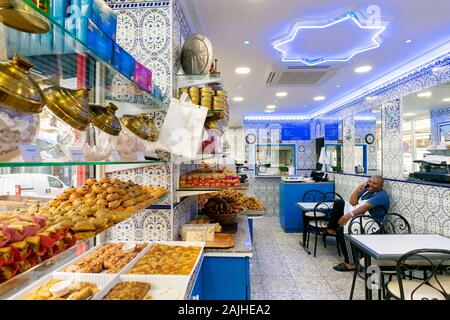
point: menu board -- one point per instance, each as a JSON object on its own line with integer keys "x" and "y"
{"x": 295, "y": 131}
{"x": 332, "y": 131}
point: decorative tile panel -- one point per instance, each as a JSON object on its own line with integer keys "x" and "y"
{"x": 427, "y": 208}
{"x": 266, "y": 190}
{"x": 348, "y": 154}
{"x": 392, "y": 140}
{"x": 183, "y": 213}
{"x": 144, "y": 30}
{"x": 147, "y": 225}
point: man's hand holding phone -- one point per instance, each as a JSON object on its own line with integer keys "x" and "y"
{"x": 362, "y": 187}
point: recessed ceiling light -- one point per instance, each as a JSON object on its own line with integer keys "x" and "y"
{"x": 242, "y": 70}
{"x": 425, "y": 94}
{"x": 409, "y": 114}
{"x": 363, "y": 69}
{"x": 446, "y": 100}
{"x": 319, "y": 98}
{"x": 271, "y": 107}
{"x": 408, "y": 41}
{"x": 240, "y": 87}
{"x": 338, "y": 86}
{"x": 247, "y": 42}
{"x": 281, "y": 94}
{"x": 269, "y": 110}
{"x": 238, "y": 99}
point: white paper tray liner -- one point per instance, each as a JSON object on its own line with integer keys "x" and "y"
{"x": 161, "y": 287}
{"x": 98, "y": 279}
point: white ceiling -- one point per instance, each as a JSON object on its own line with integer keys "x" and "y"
{"x": 228, "y": 23}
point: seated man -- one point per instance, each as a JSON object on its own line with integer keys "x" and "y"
{"x": 368, "y": 198}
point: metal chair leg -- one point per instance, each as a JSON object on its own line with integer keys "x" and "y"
{"x": 383, "y": 287}
{"x": 324, "y": 241}
{"x": 315, "y": 243}
{"x": 355, "y": 274}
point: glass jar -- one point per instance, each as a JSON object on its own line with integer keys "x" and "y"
{"x": 57, "y": 137}
{"x": 16, "y": 128}
{"x": 100, "y": 146}
{"x": 128, "y": 144}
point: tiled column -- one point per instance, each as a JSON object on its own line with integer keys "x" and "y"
{"x": 392, "y": 140}
{"x": 349, "y": 144}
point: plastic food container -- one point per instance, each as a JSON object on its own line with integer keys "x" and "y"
{"x": 16, "y": 128}
{"x": 128, "y": 144}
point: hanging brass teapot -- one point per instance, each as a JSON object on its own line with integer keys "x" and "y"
{"x": 105, "y": 118}
{"x": 71, "y": 106}
{"x": 18, "y": 15}
{"x": 142, "y": 126}
{"x": 18, "y": 90}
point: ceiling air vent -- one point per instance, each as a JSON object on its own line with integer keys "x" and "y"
{"x": 300, "y": 76}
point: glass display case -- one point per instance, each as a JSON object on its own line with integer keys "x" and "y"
{"x": 63, "y": 106}
{"x": 50, "y": 82}
{"x": 274, "y": 160}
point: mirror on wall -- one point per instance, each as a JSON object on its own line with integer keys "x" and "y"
{"x": 426, "y": 134}
{"x": 368, "y": 142}
{"x": 331, "y": 158}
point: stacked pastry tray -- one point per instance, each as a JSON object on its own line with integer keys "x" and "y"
{"x": 162, "y": 287}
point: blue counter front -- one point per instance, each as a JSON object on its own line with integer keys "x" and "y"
{"x": 291, "y": 218}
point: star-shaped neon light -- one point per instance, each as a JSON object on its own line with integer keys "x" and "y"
{"x": 349, "y": 19}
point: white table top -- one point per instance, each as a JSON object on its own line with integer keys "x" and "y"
{"x": 393, "y": 246}
{"x": 311, "y": 205}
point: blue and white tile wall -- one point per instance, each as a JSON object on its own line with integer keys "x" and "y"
{"x": 348, "y": 152}
{"x": 427, "y": 208}
{"x": 267, "y": 189}
{"x": 183, "y": 213}
{"x": 392, "y": 140}
{"x": 147, "y": 225}
{"x": 144, "y": 30}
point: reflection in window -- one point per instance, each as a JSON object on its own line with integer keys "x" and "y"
{"x": 416, "y": 142}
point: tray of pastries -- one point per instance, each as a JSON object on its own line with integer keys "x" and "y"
{"x": 177, "y": 258}
{"x": 141, "y": 287}
{"x": 57, "y": 286}
{"x": 110, "y": 258}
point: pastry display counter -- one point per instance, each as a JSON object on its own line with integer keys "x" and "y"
{"x": 151, "y": 274}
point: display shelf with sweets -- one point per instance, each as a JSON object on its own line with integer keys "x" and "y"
{"x": 145, "y": 287}
{"x": 109, "y": 258}
{"x": 170, "y": 258}
{"x": 58, "y": 286}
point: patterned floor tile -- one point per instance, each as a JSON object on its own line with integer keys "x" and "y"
{"x": 319, "y": 296}
{"x": 283, "y": 296}
{"x": 269, "y": 269}
{"x": 312, "y": 285}
{"x": 279, "y": 284}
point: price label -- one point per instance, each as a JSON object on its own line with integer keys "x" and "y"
{"x": 30, "y": 153}
{"x": 140, "y": 156}
{"x": 115, "y": 155}
{"x": 76, "y": 154}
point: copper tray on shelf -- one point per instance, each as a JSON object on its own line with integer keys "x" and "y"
{"x": 221, "y": 241}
